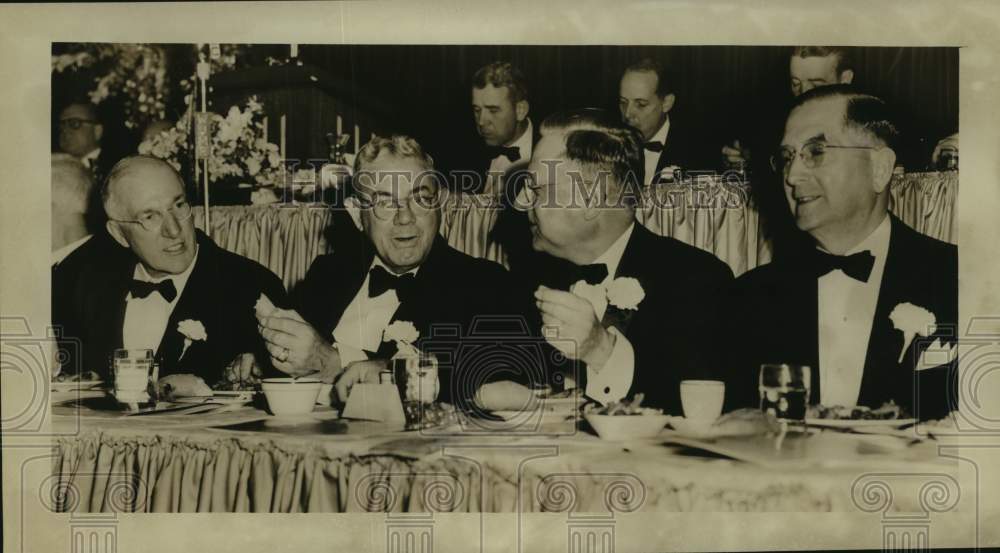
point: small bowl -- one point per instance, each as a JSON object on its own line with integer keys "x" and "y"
{"x": 290, "y": 396}
{"x": 626, "y": 427}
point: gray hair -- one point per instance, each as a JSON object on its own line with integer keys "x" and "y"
{"x": 71, "y": 181}
{"x": 127, "y": 167}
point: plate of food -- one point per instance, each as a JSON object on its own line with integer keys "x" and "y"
{"x": 625, "y": 420}
{"x": 76, "y": 382}
{"x": 888, "y": 415}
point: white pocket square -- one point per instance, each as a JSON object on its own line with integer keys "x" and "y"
{"x": 936, "y": 354}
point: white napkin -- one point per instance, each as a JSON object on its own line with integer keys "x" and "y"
{"x": 376, "y": 402}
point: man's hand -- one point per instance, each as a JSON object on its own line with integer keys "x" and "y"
{"x": 574, "y": 321}
{"x": 735, "y": 154}
{"x": 358, "y": 371}
{"x": 295, "y": 347}
{"x": 946, "y": 144}
{"x": 242, "y": 371}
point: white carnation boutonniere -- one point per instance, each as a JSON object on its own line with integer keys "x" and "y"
{"x": 193, "y": 331}
{"x": 912, "y": 320}
{"x": 404, "y": 334}
{"x": 625, "y": 293}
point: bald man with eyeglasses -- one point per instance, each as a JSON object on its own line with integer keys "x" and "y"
{"x": 871, "y": 307}
{"x": 165, "y": 273}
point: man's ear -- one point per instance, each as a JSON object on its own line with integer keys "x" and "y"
{"x": 883, "y": 162}
{"x": 521, "y": 110}
{"x": 668, "y": 102}
{"x": 98, "y": 131}
{"x": 115, "y": 230}
{"x": 847, "y": 76}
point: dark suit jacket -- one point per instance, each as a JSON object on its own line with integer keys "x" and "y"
{"x": 669, "y": 331}
{"x": 221, "y": 292}
{"x": 460, "y": 307}
{"x": 688, "y": 147}
{"x": 772, "y": 318}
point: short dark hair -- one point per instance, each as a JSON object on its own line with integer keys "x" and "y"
{"x": 502, "y": 73}
{"x": 845, "y": 55}
{"x": 653, "y": 66}
{"x": 863, "y": 112}
{"x": 600, "y": 141}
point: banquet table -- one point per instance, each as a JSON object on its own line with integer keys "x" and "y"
{"x": 261, "y": 463}
{"x": 710, "y": 212}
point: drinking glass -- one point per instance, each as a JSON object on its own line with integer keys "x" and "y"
{"x": 784, "y": 391}
{"x": 416, "y": 378}
{"x": 135, "y": 376}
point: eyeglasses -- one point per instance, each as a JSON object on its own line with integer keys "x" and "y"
{"x": 811, "y": 155}
{"x": 419, "y": 202}
{"x": 152, "y": 221}
{"x": 75, "y": 123}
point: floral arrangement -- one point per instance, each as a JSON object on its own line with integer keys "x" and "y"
{"x": 238, "y": 148}
{"x": 137, "y": 72}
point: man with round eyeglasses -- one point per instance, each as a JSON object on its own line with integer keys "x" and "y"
{"x": 835, "y": 308}
{"x": 168, "y": 273}
{"x": 402, "y": 271}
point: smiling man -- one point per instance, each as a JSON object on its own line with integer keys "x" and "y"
{"x": 404, "y": 271}
{"x": 168, "y": 273}
{"x": 840, "y": 309}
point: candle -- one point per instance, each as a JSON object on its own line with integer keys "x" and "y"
{"x": 265, "y": 129}
{"x": 282, "y": 144}
{"x": 357, "y": 139}
{"x": 295, "y": 50}
{"x": 340, "y": 126}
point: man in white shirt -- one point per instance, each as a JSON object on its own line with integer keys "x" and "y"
{"x": 177, "y": 293}
{"x": 71, "y": 188}
{"x": 838, "y": 309}
{"x": 629, "y": 305}
{"x": 402, "y": 271}
{"x": 500, "y": 109}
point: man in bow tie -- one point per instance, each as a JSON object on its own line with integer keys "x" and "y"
{"x": 830, "y": 309}
{"x": 645, "y": 99}
{"x": 166, "y": 274}
{"x": 404, "y": 271}
{"x": 582, "y": 201}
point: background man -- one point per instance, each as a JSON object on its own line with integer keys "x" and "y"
{"x": 585, "y": 171}
{"x": 405, "y": 271}
{"x": 173, "y": 274}
{"x": 645, "y": 100}
{"x": 835, "y": 310}
{"x": 71, "y": 188}
{"x": 500, "y": 110}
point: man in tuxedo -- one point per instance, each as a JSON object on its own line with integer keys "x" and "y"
{"x": 645, "y": 99}
{"x": 403, "y": 272}
{"x": 839, "y": 307}
{"x": 593, "y": 256}
{"x": 170, "y": 288}
{"x": 71, "y": 186}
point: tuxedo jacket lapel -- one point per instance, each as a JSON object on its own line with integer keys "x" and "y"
{"x": 630, "y": 265}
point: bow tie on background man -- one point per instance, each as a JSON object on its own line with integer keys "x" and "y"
{"x": 381, "y": 281}
{"x": 513, "y": 153}
{"x": 141, "y": 289}
{"x": 857, "y": 266}
{"x": 653, "y": 146}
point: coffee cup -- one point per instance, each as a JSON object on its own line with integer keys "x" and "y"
{"x": 702, "y": 400}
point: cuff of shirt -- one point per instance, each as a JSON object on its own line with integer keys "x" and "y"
{"x": 349, "y": 354}
{"x": 613, "y": 381}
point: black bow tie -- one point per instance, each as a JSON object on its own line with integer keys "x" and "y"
{"x": 857, "y": 266}
{"x": 591, "y": 274}
{"x": 653, "y": 146}
{"x": 141, "y": 289}
{"x": 380, "y": 281}
{"x": 513, "y": 153}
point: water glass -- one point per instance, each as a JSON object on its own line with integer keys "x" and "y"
{"x": 784, "y": 390}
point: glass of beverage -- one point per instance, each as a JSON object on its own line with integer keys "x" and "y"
{"x": 784, "y": 391}
{"x": 135, "y": 376}
{"x": 416, "y": 378}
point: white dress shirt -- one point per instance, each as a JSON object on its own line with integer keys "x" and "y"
{"x": 63, "y": 252}
{"x": 502, "y": 163}
{"x": 90, "y": 158}
{"x": 652, "y": 158}
{"x": 359, "y": 331}
{"x": 612, "y": 381}
{"x": 146, "y": 318}
{"x": 846, "y": 312}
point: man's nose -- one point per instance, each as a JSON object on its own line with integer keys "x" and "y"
{"x": 630, "y": 112}
{"x": 482, "y": 119}
{"x": 171, "y": 225}
{"x": 404, "y": 215}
